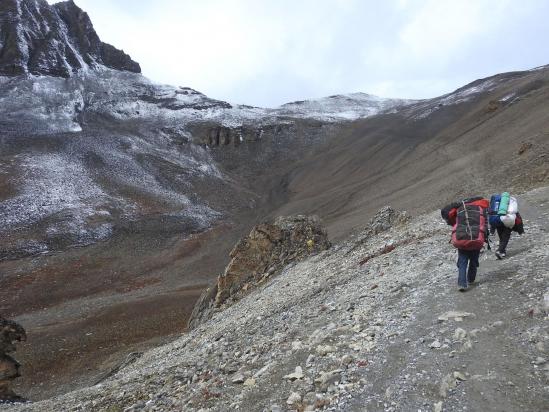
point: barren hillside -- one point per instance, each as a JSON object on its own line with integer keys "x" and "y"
{"x": 362, "y": 326}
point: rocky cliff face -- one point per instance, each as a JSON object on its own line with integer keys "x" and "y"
{"x": 54, "y": 40}
{"x": 267, "y": 249}
{"x": 255, "y": 258}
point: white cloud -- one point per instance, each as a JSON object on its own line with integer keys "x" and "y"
{"x": 441, "y": 24}
{"x": 268, "y": 52}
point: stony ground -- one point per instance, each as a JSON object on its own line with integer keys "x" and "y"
{"x": 390, "y": 334}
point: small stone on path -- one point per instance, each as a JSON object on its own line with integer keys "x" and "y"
{"x": 460, "y": 376}
{"x": 346, "y": 360}
{"x": 323, "y": 350}
{"x": 460, "y": 334}
{"x": 435, "y": 345}
{"x": 297, "y": 374}
{"x": 249, "y": 382}
{"x": 456, "y": 315}
{"x": 238, "y": 378}
{"x": 294, "y": 398}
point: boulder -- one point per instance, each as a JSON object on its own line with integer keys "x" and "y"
{"x": 10, "y": 333}
{"x": 385, "y": 219}
{"x": 268, "y": 248}
{"x": 264, "y": 252}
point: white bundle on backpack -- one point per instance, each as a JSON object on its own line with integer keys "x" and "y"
{"x": 508, "y": 220}
{"x": 512, "y": 209}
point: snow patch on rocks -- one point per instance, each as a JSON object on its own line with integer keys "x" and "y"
{"x": 51, "y": 184}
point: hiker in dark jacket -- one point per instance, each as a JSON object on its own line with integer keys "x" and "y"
{"x": 470, "y": 210}
{"x": 504, "y": 235}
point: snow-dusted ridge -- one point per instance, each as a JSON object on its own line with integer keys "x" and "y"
{"x": 351, "y": 106}
{"x": 54, "y": 104}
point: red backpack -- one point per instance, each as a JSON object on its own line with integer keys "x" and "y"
{"x": 469, "y": 230}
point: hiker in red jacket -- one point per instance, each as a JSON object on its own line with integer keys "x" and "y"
{"x": 469, "y": 221}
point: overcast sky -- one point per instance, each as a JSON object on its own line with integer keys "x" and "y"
{"x": 268, "y": 52}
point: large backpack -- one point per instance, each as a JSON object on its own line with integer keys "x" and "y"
{"x": 469, "y": 231}
{"x": 448, "y": 212}
{"x": 504, "y": 203}
{"x": 494, "y": 204}
{"x": 503, "y": 210}
{"x": 494, "y": 218}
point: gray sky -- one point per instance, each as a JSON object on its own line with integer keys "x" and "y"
{"x": 268, "y": 52}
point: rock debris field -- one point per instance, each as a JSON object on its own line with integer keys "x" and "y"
{"x": 373, "y": 324}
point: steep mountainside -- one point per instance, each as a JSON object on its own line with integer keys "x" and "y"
{"x": 120, "y": 199}
{"x": 487, "y": 136}
{"x": 356, "y": 328}
{"x": 53, "y": 40}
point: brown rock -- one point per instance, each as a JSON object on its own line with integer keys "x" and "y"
{"x": 524, "y": 147}
{"x": 265, "y": 251}
{"x": 10, "y": 333}
{"x": 268, "y": 248}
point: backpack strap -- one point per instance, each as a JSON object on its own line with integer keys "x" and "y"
{"x": 469, "y": 230}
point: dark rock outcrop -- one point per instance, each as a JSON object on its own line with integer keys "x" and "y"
{"x": 10, "y": 333}
{"x": 384, "y": 219}
{"x": 265, "y": 251}
{"x": 214, "y": 135}
{"x": 54, "y": 40}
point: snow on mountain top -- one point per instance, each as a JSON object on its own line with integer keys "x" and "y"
{"x": 341, "y": 107}
{"x": 53, "y": 104}
{"x": 425, "y": 108}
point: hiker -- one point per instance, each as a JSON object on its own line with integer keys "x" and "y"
{"x": 504, "y": 218}
{"x": 469, "y": 221}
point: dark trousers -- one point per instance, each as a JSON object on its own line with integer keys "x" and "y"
{"x": 504, "y": 234}
{"x": 467, "y": 264}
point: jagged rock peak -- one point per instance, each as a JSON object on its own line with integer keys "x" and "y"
{"x": 54, "y": 40}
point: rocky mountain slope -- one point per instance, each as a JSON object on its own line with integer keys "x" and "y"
{"x": 375, "y": 323}
{"x": 120, "y": 199}
{"x": 490, "y": 134}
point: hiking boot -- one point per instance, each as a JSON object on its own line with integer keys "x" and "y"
{"x": 500, "y": 255}
{"x": 462, "y": 288}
